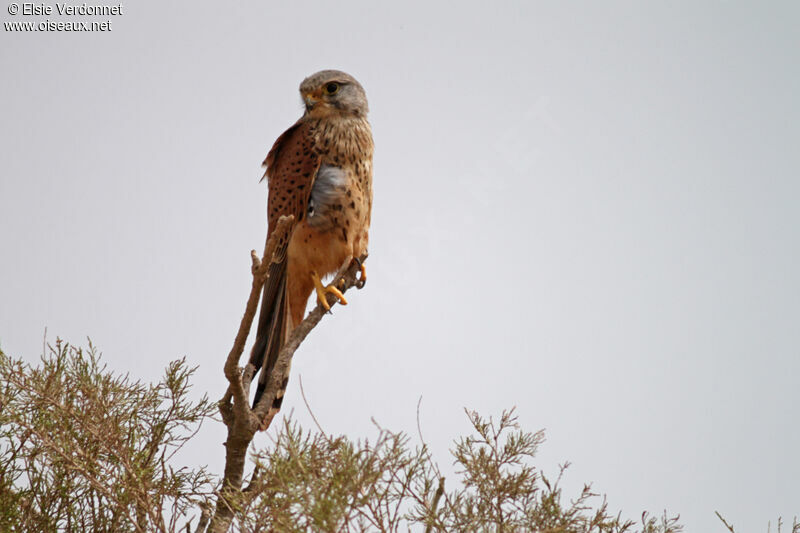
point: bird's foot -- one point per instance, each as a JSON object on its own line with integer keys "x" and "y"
{"x": 360, "y": 282}
{"x": 323, "y": 291}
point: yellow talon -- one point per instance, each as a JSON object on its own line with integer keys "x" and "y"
{"x": 322, "y": 291}
{"x": 360, "y": 282}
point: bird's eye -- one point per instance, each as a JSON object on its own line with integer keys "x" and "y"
{"x": 331, "y": 88}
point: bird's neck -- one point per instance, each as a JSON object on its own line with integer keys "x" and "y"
{"x": 346, "y": 136}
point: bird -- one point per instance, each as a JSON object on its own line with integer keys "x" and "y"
{"x": 320, "y": 171}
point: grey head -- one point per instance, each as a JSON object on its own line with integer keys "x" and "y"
{"x": 329, "y": 91}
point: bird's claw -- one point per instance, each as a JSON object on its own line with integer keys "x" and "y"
{"x": 361, "y": 281}
{"x": 323, "y": 291}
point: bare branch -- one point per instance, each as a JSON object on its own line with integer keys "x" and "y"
{"x": 236, "y": 389}
{"x": 435, "y": 503}
{"x": 308, "y": 407}
{"x": 241, "y": 421}
{"x": 203, "y": 522}
{"x": 730, "y": 527}
{"x": 345, "y": 279}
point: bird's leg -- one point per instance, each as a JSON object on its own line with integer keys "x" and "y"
{"x": 322, "y": 291}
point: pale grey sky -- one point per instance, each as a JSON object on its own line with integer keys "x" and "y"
{"x": 587, "y": 211}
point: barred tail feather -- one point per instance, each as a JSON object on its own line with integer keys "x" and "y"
{"x": 271, "y": 332}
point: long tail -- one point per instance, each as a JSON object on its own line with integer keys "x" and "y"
{"x": 271, "y": 333}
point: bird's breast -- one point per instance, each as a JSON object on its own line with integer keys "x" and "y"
{"x": 327, "y": 196}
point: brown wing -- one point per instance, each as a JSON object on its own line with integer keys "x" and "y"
{"x": 292, "y": 165}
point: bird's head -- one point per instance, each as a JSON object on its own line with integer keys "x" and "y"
{"x": 333, "y": 92}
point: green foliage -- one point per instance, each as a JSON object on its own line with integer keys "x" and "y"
{"x": 84, "y": 450}
{"x": 795, "y": 525}
{"x": 309, "y": 482}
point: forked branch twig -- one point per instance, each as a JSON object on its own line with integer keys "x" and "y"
{"x": 241, "y": 421}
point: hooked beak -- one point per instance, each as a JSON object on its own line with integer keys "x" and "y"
{"x": 310, "y": 101}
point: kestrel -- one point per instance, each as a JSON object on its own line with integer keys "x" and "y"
{"x": 320, "y": 171}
